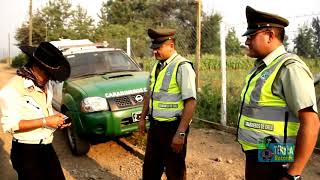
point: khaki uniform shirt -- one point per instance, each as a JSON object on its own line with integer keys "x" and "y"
{"x": 293, "y": 83}
{"x": 186, "y": 78}
{"x": 20, "y": 99}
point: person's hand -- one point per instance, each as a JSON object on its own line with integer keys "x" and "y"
{"x": 142, "y": 126}
{"x": 177, "y": 143}
{"x": 56, "y": 121}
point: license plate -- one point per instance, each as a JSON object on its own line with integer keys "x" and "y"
{"x": 136, "y": 116}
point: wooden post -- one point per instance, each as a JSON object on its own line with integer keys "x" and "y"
{"x": 9, "y": 58}
{"x": 30, "y": 23}
{"x": 198, "y": 49}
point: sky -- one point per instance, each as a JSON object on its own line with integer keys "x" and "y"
{"x": 14, "y": 12}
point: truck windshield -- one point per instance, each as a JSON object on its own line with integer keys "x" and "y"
{"x": 102, "y": 62}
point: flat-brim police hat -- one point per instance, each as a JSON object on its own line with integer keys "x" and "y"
{"x": 257, "y": 20}
{"x": 159, "y": 36}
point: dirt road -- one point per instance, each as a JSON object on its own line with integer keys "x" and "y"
{"x": 211, "y": 155}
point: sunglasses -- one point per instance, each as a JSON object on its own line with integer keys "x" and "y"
{"x": 251, "y": 36}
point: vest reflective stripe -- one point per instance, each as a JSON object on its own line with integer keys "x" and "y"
{"x": 168, "y": 76}
{"x": 264, "y": 114}
{"x": 270, "y": 113}
{"x": 166, "y": 103}
{"x": 248, "y": 139}
{"x": 269, "y": 127}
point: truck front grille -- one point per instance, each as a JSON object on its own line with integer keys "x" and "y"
{"x": 123, "y": 102}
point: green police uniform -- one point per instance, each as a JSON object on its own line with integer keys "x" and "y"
{"x": 275, "y": 90}
{"x": 171, "y": 82}
{"x": 263, "y": 112}
{"x": 166, "y": 100}
{"x": 185, "y": 78}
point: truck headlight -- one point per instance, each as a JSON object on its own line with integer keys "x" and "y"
{"x": 93, "y": 104}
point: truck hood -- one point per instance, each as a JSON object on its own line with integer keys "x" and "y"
{"x": 112, "y": 84}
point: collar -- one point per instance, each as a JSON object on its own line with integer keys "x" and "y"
{"x": 27, "y": 84}
{"x": 170, "y": 58}
{"x": 272, "y": 56}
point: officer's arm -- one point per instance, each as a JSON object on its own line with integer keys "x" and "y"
{"x": 145, "y": 108}
{"x": 189, "y": 107}
{"x": 186, "y": 80}
{"x": 306, "y": 140}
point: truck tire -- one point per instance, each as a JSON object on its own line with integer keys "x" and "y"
{"x": 78, "y": 146}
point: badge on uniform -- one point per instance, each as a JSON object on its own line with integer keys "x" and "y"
{"x": 265, "y": 75}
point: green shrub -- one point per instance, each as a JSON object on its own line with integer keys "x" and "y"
{"x": 19, "y": 61}
{"x": 208, "y": 104}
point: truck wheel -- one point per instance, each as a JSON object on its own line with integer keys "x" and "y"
{"x": 77, "y": 145}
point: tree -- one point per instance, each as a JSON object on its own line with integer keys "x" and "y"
{"x": 57, "y": 14}
{"x": 146, "y": 13}
{"x": 56, "y": 20}
{"x": 210, "y": 40}
{"x": 316, "y": 29}
{"x": 304, "y": 45}
{"x": 81, "y": 25}
{"x": 232, "y": 43}
{"x": 124, "y": 11}
{"x": 38, "y": 33}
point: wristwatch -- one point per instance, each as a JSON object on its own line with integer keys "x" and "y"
{"x": 181, "y": 134}
{"x": 291, "y": 177}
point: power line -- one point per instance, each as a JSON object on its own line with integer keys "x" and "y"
{"x": 305, "y": 15}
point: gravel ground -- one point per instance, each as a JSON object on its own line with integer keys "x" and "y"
{"x": 211, "y": 154}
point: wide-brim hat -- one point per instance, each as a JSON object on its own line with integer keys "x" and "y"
{"x": 257, "y": 20}
{"x": 159, "y": 36}
{"x": 50, "y": 58}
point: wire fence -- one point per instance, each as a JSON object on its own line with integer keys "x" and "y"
{"x": 237, "y": 63}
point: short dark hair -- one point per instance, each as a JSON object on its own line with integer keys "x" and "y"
{"x": 278, "y": 32}
{"x": 29, "y": 63}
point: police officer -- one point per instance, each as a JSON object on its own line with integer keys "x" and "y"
{"x": 278, "y": 102}
{"x": 26, "y": 113}
{"x": 170, "y": 103}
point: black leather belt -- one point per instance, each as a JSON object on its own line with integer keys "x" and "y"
{"x": 27, "y": 141}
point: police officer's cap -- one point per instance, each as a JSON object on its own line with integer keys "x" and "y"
{"x": 159, "y": 36}
{"x": 257, "y": 20}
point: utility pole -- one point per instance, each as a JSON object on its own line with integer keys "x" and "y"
{"x": 30, "y": 23}
{"x": 9, "y": 58}
{"x": 197, "y": 64}
{"x": 223, "y": 120}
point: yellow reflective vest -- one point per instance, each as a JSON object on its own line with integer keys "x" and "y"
{"x": 166, "y": 102}
{"x": 262, "y": 113}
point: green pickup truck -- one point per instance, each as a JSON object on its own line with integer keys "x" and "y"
{"x": 103, "y": 96}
